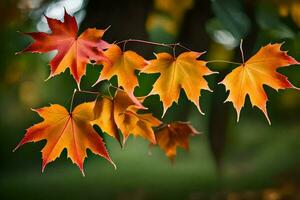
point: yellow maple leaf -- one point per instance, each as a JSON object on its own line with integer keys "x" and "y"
{"x": 123, "y": 65}
{"x": 259, "y": 70}
{"x": 184, "y": 72}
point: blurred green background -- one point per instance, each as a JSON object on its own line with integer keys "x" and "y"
{"x": 245, "y": 160}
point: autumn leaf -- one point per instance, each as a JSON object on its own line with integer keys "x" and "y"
{"x": 120, "y": 113}
{"x": 174, "y": 135}
{"x": 124, "y": 65}
{"x": 72, "y": 51}
{"x": 184, "y": 72}
{"x": 138, "y": 124}
{"x": 107, "y": 112}
{"x": 72, "y": 131}
{"x": 259, "y": 70}
{"x": 104, "y": 117}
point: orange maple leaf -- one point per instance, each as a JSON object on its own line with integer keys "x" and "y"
{"x": 138, "y": 124}
{"x": 104, "y": 117}
{"x": 121, "y": 114}
{"x": 250, "y": 77}
{"x": 123, "y": 65}
{"x": 72, "y": 131}
{"x": 184, "y": 72}
{"x": 173, "y": 135}
{"x": 72, "y": 51}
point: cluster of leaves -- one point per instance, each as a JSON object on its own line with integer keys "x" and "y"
{"x": 120, "y": 113}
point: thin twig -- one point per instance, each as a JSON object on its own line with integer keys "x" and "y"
{"x": 180, "y": 45}
{"x": 170, "y": 45}
{"x": 242, "y": 52}
{"x": 117, "y": 88}
{"x": 87, "y": 92}
{"x": 147, "y": 42}
{"x": 224, "y": 61}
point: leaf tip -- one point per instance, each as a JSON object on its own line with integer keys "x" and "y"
{"x": 264, "y": 110}
{"x": 238, "y": 111}
{"x": 215, "y": 72}
{"x": 199, "y": 108}
{"x": 82, "y": 171}
{"x": 164, "y": 112}
{"x": 16, "y": 148}
{"x": 96, "y": 82}
{"x": 78, "y": 85}
{"x": 18, "y": 53}
{"x": 294, "y": 87}
{"x": 21, "y": 143}
{"x": 44, "y": 165}
{"x": 50, "y": 76}
{"x": 221, "y": 82}
{"x": 114, "y": 165}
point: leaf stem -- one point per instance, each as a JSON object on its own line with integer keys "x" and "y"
{"x": 174, "y": 51}
{"x": 124, "y": 45}
{"x": 80, "y": 91}
{"x": 242, "y": 52}
{"x": 170, "y": 45}
{"x": 72, "y": 100}
{"x": 108, "y": 90}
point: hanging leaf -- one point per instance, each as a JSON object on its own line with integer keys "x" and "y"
{"x": 123, "y": 66}
{"x": 259, "y": 70}
{"x": 174, "y": 135}
{"x": 121, "y": 114}
{"x": 72, "y": 131}
{"x": 72, "y": 51}
{"x": 184, "y": 72}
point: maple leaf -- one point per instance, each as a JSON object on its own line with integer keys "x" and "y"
{"x": 104, "y": 117}
{"x": 72, "y": 51}
{"x": 107, "y": 112}
{"x": 121, "y": 114}
{"x": 138, "y": 124}
{"x": 123, "y": 66}
{"x": 173, "y": 135}
{"x": 184, "y": 72}
{"x": 72, "y": 131}
{"x": 250, "y": 77}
